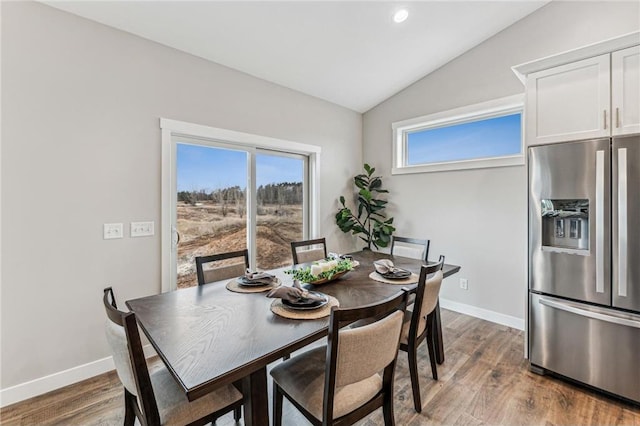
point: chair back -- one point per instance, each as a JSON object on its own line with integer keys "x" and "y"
{"x": 310, "y": 251}
{"x": 359, "y": 353}
{"x": 123, "y": 338}
{"x": 410, "y": 247}
{"x": 427, "y": 294}
{"x": 220, "y": 266}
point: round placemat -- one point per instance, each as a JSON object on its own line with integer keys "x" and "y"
{"x": 234, "y": 286}
{"x": 279, "y": 309}
{"x": 413, "y": 279}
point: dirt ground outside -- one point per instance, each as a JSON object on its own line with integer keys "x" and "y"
{"x": 204, "y": 230}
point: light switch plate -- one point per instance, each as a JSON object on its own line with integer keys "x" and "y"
{"x": 112, "y": 231}
{"x": 142, "y": 229}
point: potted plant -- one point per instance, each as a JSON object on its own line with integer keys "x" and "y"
{"x": 370, "y": 221}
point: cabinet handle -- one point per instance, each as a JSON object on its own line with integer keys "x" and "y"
{"x": 617, "y": 117}
{"x": 604, "y": 115}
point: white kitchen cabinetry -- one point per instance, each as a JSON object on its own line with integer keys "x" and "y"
{"x": 586, "y": 93}
{"x": 569, "y": 102}
{"x": 625, "y": 91}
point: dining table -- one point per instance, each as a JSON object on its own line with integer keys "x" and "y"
{"x": 208, "y": 336}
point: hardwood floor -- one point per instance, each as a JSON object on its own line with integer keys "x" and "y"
{"x": 484, "y": 380}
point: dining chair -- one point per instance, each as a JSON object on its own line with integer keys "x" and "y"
{"x": 419, "y": 325}
{"x": 210, "y": 269}
{"x": 350, "y": 377}
{"x": 155, "y": 398}
{"x": 311, "y": 250}
{"x": 410, "y": 247}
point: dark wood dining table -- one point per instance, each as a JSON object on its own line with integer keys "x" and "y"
{"x": 208, "y": 336}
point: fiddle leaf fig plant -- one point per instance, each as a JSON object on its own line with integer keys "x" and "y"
{"x": 370, "y": 220}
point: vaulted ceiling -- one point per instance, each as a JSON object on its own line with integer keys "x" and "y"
{"x": 349, "y": 53}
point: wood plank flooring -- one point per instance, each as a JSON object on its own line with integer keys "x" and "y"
{"x": 484, "y": 381}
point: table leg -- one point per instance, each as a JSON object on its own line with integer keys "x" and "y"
{"x": 438, "y": 336}
{"x": 256, "y": 400}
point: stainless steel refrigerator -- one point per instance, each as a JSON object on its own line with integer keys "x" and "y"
{"x": 584, "y": 262}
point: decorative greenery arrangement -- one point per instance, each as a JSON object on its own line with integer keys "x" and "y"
{"x": 370, "y": 221}
{"x": 304, "y": 274}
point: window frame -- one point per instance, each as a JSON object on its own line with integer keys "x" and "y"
{"x": 172, "y": 130}
{"x": 485, "y": 110}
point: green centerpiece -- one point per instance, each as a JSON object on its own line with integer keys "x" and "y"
{"x": 321, "y": 271}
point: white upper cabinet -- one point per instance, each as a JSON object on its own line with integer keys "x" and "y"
{"x": 585, "y": 93}
{"x": 625, "y": 91}
{"x": 569, "y": 102}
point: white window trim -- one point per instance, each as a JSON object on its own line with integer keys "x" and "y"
{"x": 172, "y": 128}
{"x": 483, "y": 110}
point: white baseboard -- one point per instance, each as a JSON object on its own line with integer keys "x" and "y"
{"x": 484, "y": 314}
{"x": 60, "y": 379}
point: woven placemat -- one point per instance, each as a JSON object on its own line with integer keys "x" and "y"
{"x": 279, "y": 309}
{"x": 413, "y": 279}
{"x": 234, "y": 286}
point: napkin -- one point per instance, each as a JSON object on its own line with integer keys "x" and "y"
{"x": 258, "y": 277}
{"x": 293, "y": 294}
{"x": 338, "y": 256}
{"x": 385, "y": 266}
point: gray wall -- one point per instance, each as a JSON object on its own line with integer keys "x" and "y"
{"x": 477, "y": 218}
{"x": 81, "y": 104}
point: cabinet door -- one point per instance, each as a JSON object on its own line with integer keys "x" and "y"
{"x": 569, "y": 102}
{"x": 625, "y": 91}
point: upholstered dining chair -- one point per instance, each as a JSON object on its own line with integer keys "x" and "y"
{"x": 155, "y": 398}
{"x": 410, "y": 247}
{"x": 310, "y": 251}
{"x": 419, "y": 325}
{"x": 210, "y": 268}
{"x": 344, "y": 381}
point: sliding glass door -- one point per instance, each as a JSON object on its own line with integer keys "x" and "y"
{"x": 280, "y": 212}
{"x": 231, "y": 197}
{"x": 211, "y": 207}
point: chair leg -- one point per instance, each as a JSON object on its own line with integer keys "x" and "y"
{"x": 237, "y": 414}
{"x": 431, "y": 344}
{"x": 129, "y": 412}
{"x": 413, "y": 373}
{"x": 387, "y": 411}
{"x": 277, "y": 405}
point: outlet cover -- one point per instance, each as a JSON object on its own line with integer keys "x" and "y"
{"x": 112, "y": 231}
{"x": 142, "y": 229}
{"x": 464, "y": 284}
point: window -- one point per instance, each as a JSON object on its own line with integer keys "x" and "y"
{"x": 226, "y": 191}
{"x": 482, "y": 135}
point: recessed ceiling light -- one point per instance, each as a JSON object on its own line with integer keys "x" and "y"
{"x": 400, "y": 16}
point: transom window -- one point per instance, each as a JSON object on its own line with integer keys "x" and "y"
{"x": 477, "y": 136}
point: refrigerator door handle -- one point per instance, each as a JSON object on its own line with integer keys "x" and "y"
{"x": 588, "y": 313}
{"x": 622, "y": 222}
{"x": 600, "y": 180}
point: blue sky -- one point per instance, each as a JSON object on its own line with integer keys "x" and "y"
{"x": 479, "y": 139}
{"x": 202, "y": 167}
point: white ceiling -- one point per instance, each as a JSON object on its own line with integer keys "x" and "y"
{"x": 348, "y": 53}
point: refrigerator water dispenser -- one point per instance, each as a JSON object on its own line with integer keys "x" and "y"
{"x": 565, "y": 224}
